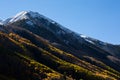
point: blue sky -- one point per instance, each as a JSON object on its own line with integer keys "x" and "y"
{"x": 99, "y": 19}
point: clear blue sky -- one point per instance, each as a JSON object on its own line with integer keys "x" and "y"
{"x": 99, "y": 19}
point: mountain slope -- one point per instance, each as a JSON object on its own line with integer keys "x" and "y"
{"x": 19, "y": 44}
{"x": 46, "y": 50}
{"x": 61, "y": 37}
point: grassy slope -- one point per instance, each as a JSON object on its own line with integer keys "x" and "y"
{"x": 35, "y": 61}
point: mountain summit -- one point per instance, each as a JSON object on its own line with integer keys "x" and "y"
{"x": 34, "y": 47}
{"x": 26, "y": 15}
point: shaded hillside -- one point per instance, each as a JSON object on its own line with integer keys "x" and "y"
{"x": 32, "y": 60}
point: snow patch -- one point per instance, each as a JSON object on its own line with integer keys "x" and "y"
{"x": 53, "y": 22}
{"x": 83, "y": 36}
{"x": 30, "y": 23}
{"x": 90, "y": 41}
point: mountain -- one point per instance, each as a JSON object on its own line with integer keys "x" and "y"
{"x": 34, "y": 47}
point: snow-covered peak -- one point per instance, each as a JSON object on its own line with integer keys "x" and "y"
{"x": 19, "y": 16}
{"x": 26, "y": 15}
{"x": 23, "y": 15}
